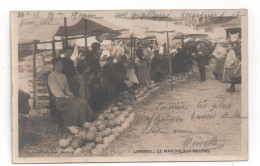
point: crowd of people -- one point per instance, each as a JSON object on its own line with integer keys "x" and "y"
{"x": 79, "y": 89}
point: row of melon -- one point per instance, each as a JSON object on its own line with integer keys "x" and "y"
{"x": 94, "y": 137}
{"x": 144, "y": 92}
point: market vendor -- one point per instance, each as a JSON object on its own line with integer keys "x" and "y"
{"x": 202, "y": 57}
{"x": 69, "y": 70}
{"x": 74, "y": 111}
{"x": 157, "y": 67}
{"x": 93, "y": 58}
{"x": 108, "y": 82}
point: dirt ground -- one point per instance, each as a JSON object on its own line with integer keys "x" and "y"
{"x": 196, "y": 116}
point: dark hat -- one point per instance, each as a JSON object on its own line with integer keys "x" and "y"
{"x": 55, "y": 60}
{"x": 68, "y": 48}
{"x": 110, "y": 57}
{"x": 95, "y": 45}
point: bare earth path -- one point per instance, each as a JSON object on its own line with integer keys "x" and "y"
{"x": 196, "y": 118}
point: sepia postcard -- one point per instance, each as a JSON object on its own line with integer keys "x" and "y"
{"x": 129, "y": 85}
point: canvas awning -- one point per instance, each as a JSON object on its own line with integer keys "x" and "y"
{"x": 136, "y": 32}
{"x": 42, "y": 29}
{"x": 94, "y": 27}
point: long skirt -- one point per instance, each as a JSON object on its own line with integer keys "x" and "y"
{"x": 143, "y": 76}
{"x": 219, "y": 67}
{"x": 227, "y": 76}
{"x": 75, "y": 111}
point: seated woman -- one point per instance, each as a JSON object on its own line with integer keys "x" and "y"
{"x": 73, "y": 109}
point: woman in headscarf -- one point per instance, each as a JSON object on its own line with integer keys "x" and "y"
{"x": 143, "y": 71}
{"x": 73, "y": 109}
{"x": 230, "y": 62}
{"x": 219, "y": 55}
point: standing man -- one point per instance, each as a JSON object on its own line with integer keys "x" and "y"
{"x": 69, "y": 70}
{"x": 202, "y": 55}
{"x": 93, "y": 58}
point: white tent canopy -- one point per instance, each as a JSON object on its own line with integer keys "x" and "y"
{"x": 42, "y": 29}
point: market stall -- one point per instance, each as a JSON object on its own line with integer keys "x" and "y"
{"x": 35, "y": 31}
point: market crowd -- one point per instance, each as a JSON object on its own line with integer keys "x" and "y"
{"x": 79, "y": 88}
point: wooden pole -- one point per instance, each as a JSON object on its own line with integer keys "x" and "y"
{"x": 53, "y": 49}
{"x": 34, "y": 73}
{"x": 134, "y": 48}
{"x": 170, "y": 62}
{"x": 131, "y": 48}
{"x": 86, "y": 35}
{"x": 66, "y": 32}
{"x": 182, "y": 40}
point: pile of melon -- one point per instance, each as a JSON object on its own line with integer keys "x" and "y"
{"x": 96, "y": 136}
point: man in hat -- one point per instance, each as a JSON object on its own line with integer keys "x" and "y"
{"x": 202, "y": 55}
{"x": 93, "y": 57}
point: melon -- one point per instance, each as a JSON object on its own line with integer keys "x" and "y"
{"x": 87, "y": 125}
{"x": 78, "y": 152}
{"x": 102, "y": 133}
{"x": 97, "y": 123}
{"x": 64, "y": 143}
{"x": 99, "y": 140}
{"x": 69, "y": 150}
{"x": 90, "y": 136}
{"x": 117, "y": 121}
{"x": 105, "y": 116}
{"x": 108, "y": 131}
{"x": 100, "y": 117}
{"x": 96, "y": 152}
{"x": 110, "y": 124}
{"x": 87, "y": 148}
{"x": 91, "y": 144}
{"x": 100, "y": 147}
{"x": 125, "y": 113}
{"x": 117, "y": 113}
{"x": 92, "y": 129}
{"x": 101, "y": 127}
{"x": 78, "y": 142}
{"x": 82, "y": 132}
{"x": 115, "y": 109}
{"x": 111, "y": 116}
{"x": 60, "y": 150}
{"x": 120, "y": 104}
{"x": 129, "y": 108}
{"x": 107, "y": 140}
